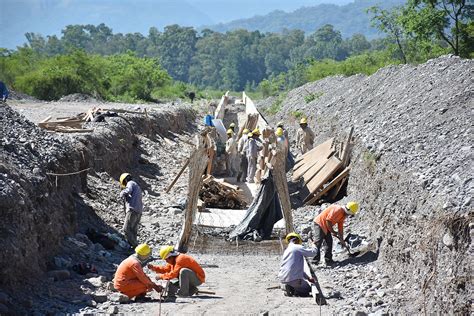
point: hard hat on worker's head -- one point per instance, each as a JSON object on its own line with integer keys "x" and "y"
{"x": 143, "y": 250}
{"x": 294, "y": 235}
{"x": 230, "y": 132}
{"x": 250, "y": 134}
{"x": 122, "y": 179}
{"x": 167, "y": 251}
{"x": 246, "y": 131}
{"x": 304, "y": 120}
{"x": 352, "y": 207}
{"x": 256, "y": 132}
{"x": 280, "y": 124}
{"x": 279, "y": 132}
{"x": 232, "y": 125}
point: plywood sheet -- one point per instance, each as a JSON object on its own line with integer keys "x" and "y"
{"x": 331, "y": 184}
{"x": 331, "y": 167}
{"x": 320, "y": 152}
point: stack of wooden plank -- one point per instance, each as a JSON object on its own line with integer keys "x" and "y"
{"x": 71, "y": 124}
{"x": 324, "y": 169}
{"x": 216, "y": 193}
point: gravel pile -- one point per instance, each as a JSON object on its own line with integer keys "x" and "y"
{"x": 78, "y": 97}
{"x": 411, "y": 170}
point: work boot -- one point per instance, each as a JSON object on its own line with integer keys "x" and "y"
{"x": 289, "y": 291}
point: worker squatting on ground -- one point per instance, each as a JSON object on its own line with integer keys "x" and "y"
{"x": 189, "y": 273}
{"x": 231, "y": 152}
{"x": 304, "y": 137}
{"x": 323, "y": 228}
{"x": 241, "y": 150}
{"x": 132, "y": 194}
{"x": 3, "y": 92}
{"x": 130, "y": 279}
{"x": 254, "y": 145}
{"x": 295, "y": 282}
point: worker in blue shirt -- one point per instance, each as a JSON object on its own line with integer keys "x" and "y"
{"x": 3, "y": 91}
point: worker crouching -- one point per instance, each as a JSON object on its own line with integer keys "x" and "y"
{"x": 130, "y": 279}
{"x": 295, "y": 282}
{"x": 182, "y": 267}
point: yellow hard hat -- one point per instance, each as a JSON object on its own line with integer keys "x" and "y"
{"x": 352, "y": 207}
{"x": 250, "y": 134}
{"x": 291, "y": 235}
{"x": 304, "y": 120}
{"x": 229, "y": 132}
{"x": 166, "y": 251}
{"x": 143, "y": 250}
{"x": 246, "y": 131}
{"x": 280, "y": 124}
{"x": 279, "y": 132}
{"x": 256, "y": 131}
{"x": 123, "y": 176}
{"x": 232, "y": 125}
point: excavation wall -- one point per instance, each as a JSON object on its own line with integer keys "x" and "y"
{"x": 39, "y": 209}
{"x": 411, "y": 170}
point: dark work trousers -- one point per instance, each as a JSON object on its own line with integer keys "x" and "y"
{"x": 243, "y": 168}
{"x": 319, "y": 237}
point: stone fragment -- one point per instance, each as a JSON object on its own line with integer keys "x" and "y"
{"x": 118, "y": 297}
{"x": 112, "y": 310}
{"x": 448, "y": 240}
{"x": 100, "y": 297}
{"x": 98, "y": 281}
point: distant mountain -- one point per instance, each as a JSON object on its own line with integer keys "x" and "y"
{"x": 349, "y": 19}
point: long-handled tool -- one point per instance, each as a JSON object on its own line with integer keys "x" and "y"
{"x": 318, "y": 297}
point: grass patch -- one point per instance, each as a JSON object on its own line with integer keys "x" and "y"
{"x": 297, "y": 114}
{"x": 313, "y": 96}
{"x": 370, "y": 159}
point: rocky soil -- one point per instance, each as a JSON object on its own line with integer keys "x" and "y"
{"x": 412, "y": 171}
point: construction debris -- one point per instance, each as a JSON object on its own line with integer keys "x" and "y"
{"x": 216, "y": 193}
{"x": 324, "y": 169}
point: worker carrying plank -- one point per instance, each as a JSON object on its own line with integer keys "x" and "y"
{"x": 323, "y": 228}
{"x": 295, "y": 282}
{"x": 304, "y": 137}
{"x": 181, "y": 266}
{"x": 254, "y": 145}
{"x": 242, "y": 152}
{"x": 130, "y": 279}
{"x": 132, "y": 195}
{"x": 231, "y": 152}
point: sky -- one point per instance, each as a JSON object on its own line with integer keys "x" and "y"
{"x": 49, "y": 17}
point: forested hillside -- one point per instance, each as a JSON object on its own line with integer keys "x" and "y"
{"x": 349, "y": 19}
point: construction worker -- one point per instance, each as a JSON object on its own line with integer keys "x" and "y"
{"x": 231, "y": 152}
{"x": 281, "y": 141}
{"x": 132, "y": 195}
{"x": 3, "y": 91}
{"x": 254, "y": 145}
{"x": 181, "y": 266}
{"x": 130, "y": 279}
{"x": 292, "y": 275}
{"x": 304, "y": 137}
{"x": 323, "y": 228}
{"x": 285, "y": 133}
{"x": 242, "y": 151}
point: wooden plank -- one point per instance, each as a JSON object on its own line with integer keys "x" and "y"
{"x": 73, "y": 130}
{"x": 177, "y": 176}
{"x": 331, "y": 184}
{"x": 281, "y": 184}
{"x": 60, "y": 123}
{"x": 46, "y": 119}
{"x": 329, "y": 169}
{"x": 347, "y": 148}
{"x": 336, "y": 190}
{"x": 313, "y": 171}
{"x": 320, "y": 152}
{"x": 315, "y": 152}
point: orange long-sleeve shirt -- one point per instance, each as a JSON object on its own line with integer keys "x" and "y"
{"x": 170, "y": 271}
{"x": 335, "y": 214}
{"x": 129, "y": 271}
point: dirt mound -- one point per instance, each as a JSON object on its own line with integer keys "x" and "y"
{"x": 19, "y": 96}
{"x": 410, "y": 170}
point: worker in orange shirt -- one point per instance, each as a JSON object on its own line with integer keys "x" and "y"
{"x": 181, "y": 266}
{"x": 130, "y": 279}
{"x": 323, "y": 228}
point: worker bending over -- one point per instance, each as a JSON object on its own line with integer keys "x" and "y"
{"x": 292, "y": 276}
{"x": 181, "y": 266}
{"x": 304, "y": 137}
{"x": 323, "y": 228}
{"x": 130, "y": 279}
{"x": 132, "y": 194}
